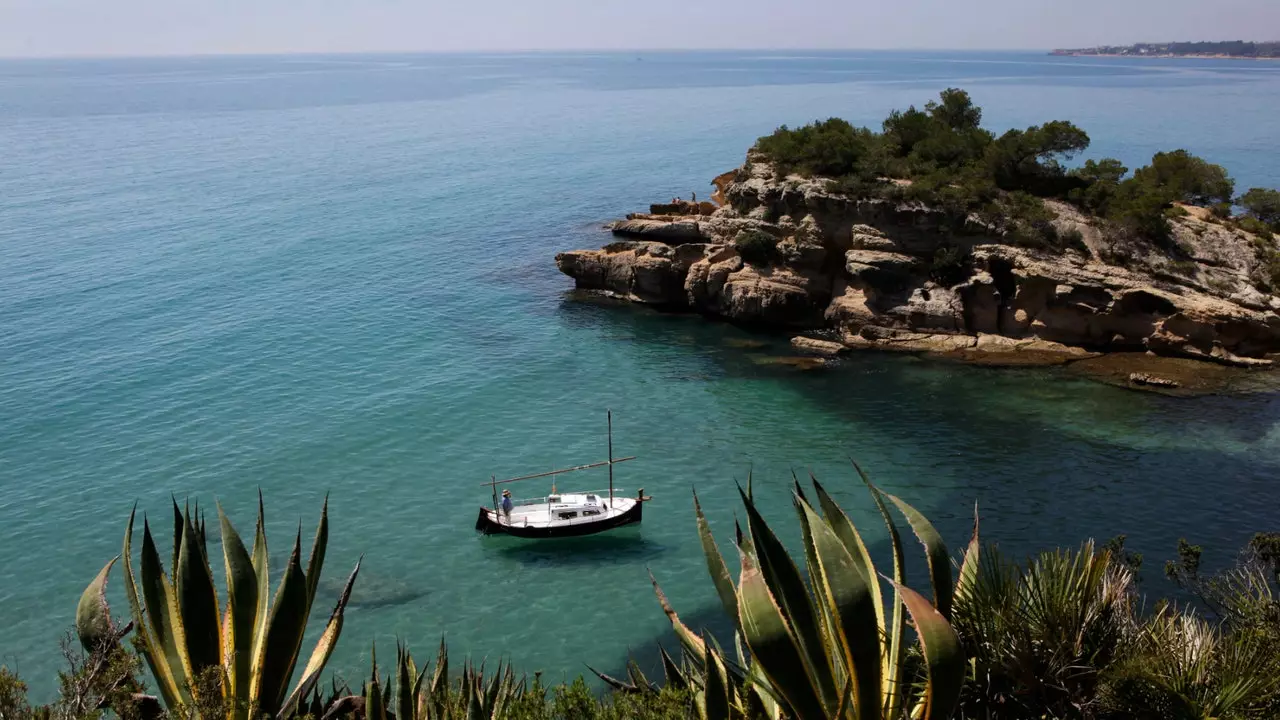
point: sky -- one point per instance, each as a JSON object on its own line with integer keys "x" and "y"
{"x": 44, "y": 28}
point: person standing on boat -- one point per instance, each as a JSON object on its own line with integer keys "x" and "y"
{"x": 506, "y": 504}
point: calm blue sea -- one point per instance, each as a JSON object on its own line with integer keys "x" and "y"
{"x": 312, "y": 275}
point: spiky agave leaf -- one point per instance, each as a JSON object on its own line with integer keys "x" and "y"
{"x": 839, "y": 522}
{"x": 285, "y": 625}
{"x": 374, "y": 703}
{"x": 716, "y": 565}
{"x": 787, "y": 587}
{"x": 166, "y": 621}
{"x": 944, "y": 659}
{"x": 94, "y": 626}
{"x": 843, "y": 591}
{"x": 693, "y": 644}
{"x": 153, "y": 650}
{"x": 936, "y": 554}
{"x": 672, "y": 675}
{"x": 969, "y": 566}
{"x": 242, "y": 608}
{"x": 892, "y": 680}
{"x": 775, "y": 649}
{"x": 716, "y": 700}
{"x": 325, "y": 645}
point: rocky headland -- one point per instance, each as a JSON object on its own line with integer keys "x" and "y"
{"x": 842, "y": 271}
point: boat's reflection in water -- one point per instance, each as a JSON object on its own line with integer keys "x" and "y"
{"x": 624, "y": 545}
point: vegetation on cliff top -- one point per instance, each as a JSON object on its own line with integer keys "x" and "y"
{"x": 951, "y": 162}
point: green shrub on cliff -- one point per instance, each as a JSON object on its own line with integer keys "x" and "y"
{"x": 1262, "y": 204}
{"x": 1031, "y": 160}
{"x": 757, "y": 247}
{"x": 830, "y": 148}
{"x": 1179, "y": 176}
{"x": 1099, "y": 184}
{"x": 953, "y": 164}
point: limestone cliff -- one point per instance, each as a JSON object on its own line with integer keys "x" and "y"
{"x": 877, "y": 273}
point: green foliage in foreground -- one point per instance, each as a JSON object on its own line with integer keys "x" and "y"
{"x": 828, "y": 647}
{"x": 241, "y": 665}
{"x": 954, "y": 164}
{"x": 1061, "y": 635}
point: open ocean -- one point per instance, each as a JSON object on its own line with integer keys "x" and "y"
{"x": 334, "y": 274}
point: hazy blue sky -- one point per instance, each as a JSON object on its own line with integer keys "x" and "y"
{"x": 149, "y": 27}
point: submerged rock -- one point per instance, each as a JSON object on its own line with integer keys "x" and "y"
{"x": 818, "y": 347}
{"x": 799, "y": 362}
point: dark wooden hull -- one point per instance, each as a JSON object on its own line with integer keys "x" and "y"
{"x": 486, "y": 525}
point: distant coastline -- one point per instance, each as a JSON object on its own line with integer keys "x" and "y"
{"x": 1231, "y": 50}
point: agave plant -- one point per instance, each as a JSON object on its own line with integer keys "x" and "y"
{"x": 830, "y": 647}
{"x": 233, "y": 658}
{"x": 414, "y": 698}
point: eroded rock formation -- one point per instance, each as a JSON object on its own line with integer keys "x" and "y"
{"x": 875, "y": 273}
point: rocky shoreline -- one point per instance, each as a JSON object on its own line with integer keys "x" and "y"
{"x": 846, "y": 273}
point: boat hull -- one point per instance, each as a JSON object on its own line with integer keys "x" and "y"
{"x": 486, "y": 524}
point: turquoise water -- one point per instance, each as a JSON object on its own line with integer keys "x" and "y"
{"x": 334, "y": 275}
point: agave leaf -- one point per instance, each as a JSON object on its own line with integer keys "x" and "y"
{"x": 845, "y": 593}
{"x": 161, "y": 609}
{"x": 440, "y": 683}
{"x": 828, "y": 622}
{"x": 843, "y": 527}
{"x": 421, "y": 698}
{"x": 374, "y": 708}
{"x": 776, "y": 651}
{"x": 893, "y": 661}
{"x": 475, "y": 708}
{"x": 742, "y": 539}
{"x": 689, "y": 639}
{"x": 152, "y": 648}
{"x": 179, "y": 531}
{"x": 846, "y": 700}
{"x": 279, "y": 653}
{"x": 787, "y": 586}
{"x": 316, "y": 562}
{"x": 613, "y": 682}
{"x": 197, "y": 604}
{"x": 405, "y": 673}
{"x": 324, "y": 646}
{"x": 262, "y": 571}
{"x": 491, "y": 690}
{"x": 716, "y": 702}
{"x": 93, "y": 616}
{"x": 764, "y": 693}
{"x": 636, "y": 675}
{"x": 716, "y": 565}
{"x": 242, "y": 608}
{"x": 944, "y": 658}
{"x": 671, "y": 673}
{"x": 936, "y": 553}
{"x": 969, "y": 567}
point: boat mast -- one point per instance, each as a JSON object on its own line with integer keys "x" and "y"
{"x": 610, "y": 417}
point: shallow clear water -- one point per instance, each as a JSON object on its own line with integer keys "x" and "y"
{"x": 319, "y": 275}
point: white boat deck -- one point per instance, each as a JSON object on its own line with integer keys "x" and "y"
{"x": 564, "y": 510}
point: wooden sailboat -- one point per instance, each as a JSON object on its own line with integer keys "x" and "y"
{"x": 567, "y": 514}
